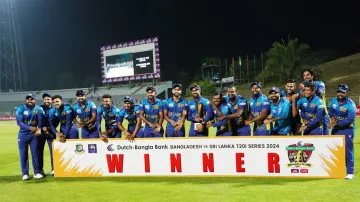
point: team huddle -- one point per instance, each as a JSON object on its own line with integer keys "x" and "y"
{"x": 288, "y": 112}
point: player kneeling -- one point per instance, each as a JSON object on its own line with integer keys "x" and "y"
{"x": 131, "y": 113}
{"x": 109, "y": 113}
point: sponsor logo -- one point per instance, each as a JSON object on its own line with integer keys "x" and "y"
{"x": 294, "y": 170}
{"x": 138, "y": 78}
{"x": 102, "y": 48}
{"x": 343, "y": 109}
{"x": 108, "y": 48}
{"x": 126, "y": 78}
{"x": 144, "y": 77}
{"x": 150, "y": 76}
{"x": 78, "y": 111}
{"x": 87, "y": 109}
{"x": 131, "y": 44}
{"x": 119, "y": 46}
{"x": 258, "y": 104}
{"x": 299, "y": 154}
{"x": 110, "y": 147}
{"x": 312, "y": 105}
{"x": 121, "y": 79}
{"x": 142, "y": 41}
{"x": 304, "y": 171}
{"x": 155, "y": 39}
{"x": 114, "y": 46}
{"x": 125, "y": 45}
{"x": 137, "y": 43}
{"x": 157, "y": 75}
{"x": 148, "y": 41}
{"x": 92, "y": 149}
{"x": 26, "y": 113}
{"x": 132, "y": 78}
{"x": 79, "y": 149}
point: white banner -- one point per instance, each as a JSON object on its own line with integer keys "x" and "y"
{"x": 312, "y": 156}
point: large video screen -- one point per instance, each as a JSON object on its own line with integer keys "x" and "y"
{"x": 136, "y": 60}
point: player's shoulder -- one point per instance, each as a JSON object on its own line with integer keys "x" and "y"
{"x": 333, "y": 100}
{"x": 91, "y": 104}
{"x": 264, "y": 97}
{"x": 351, "y": 102}
{"x": 205, "y": 101}
{"x": 284, "y": 100}
{"x": 319, "y": 83}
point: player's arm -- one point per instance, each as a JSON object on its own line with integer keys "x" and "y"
{"x": 166, "y": 117}
{"x": 295, "y": 106}
{"x": 314, "y": 123}
{"x": 52, "y": 121}
{"x": 98, "y": 120}
{"x": 138, "y": 124}
{"x": 142, "y": 116}
{"x": 93, "y": 115}
{"x": 209, "y": 113}
{"x": 240, "y": 110}
{"x": 225, "y": 111}
{"x": 264, "y": 112}
{"x": 350, "y": 118}
{"x": 119, "y": 121}
{"x": 19, "y": 119}
{"x": 190, "y": 117}
{"x": 68, "y": 118}
{"x": 161, "y": 114}
{"x": 184, "y": 114}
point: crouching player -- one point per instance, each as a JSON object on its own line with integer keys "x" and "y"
{"x": 223, "y": 126}
{"x": 29, "y": 119}
{"x": 175, "y": 111}
{"x": 280, "y": 114}
{"x": 342, "y": 111}
{"x": 312, "y": 111}
{"x": 109, "y": 112}
{"x": 63, "y": 114}
{"x": 131, "y": 113}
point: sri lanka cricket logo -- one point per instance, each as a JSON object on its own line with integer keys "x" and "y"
{"x": 79, "y": 149}
{"x": 299, "y": 154}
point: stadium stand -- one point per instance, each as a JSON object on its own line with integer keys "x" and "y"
{"x": 8, "y": 101}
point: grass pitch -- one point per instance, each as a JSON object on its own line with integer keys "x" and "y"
{"x": 162, "y": 189}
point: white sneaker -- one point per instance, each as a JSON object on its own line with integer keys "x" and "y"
{"x": 25, "y": 177}
{"x": 38, "y": 176}
{"x": 52, "y": 173}
{"x": 349, "y": 176}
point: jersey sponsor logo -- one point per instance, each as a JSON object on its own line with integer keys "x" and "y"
{"x": 343, "y": 109}
{"x": 78, "y": 111}
{"x": 171, "y": 104}
{"x": 258, "y": 104}
{"x": 147, "y": 107}
{"x": 180, "y": 105}
{"x": 93, "y": 107}
{"x": 266, "y": 103}
{"x": 334, "y": 106}
{"x": 68, "y": 111}
{"x": 251, "y": 104}
{"x": 56, "y": 114}
{"x": 192, "y": 107}
{"x": 26, "y": 113}
{"x": 305, "y": 104}
{"x": 36, "y": 112}
{"x": 111, "y": 114}
{"x": 87, "y": 109}
{"x": 312, "y": 105}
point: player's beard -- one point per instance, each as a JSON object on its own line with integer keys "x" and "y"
{"x": 275, "y": 98}
{"x": 290, "y": 92}
{"x": 30, "y": 104}
{"x": 177, "y": 94}
{"x": 196, "y": 94}
{"x": 232, "y": 96}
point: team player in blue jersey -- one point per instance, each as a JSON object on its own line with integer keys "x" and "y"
{"x": 61, "y": 114}
{"x": 175, "y": 112}
{"x": 86, "y": 111}
{"x": 109, "y": 113}
{"x": 259, "y": 110}
{"x": 223, "y": 126}
{"x": 310, "y": 76}
{"x": 131, "y": 113}
{"x": 200, "y": 112}
{"x": 280, "y": 113}
{"x": 46, "y": 134}
{"x": 312, "y": 111}
{"x": 290, "y": 90}
{"x": 238, "y": 112}
{"x": 151, "y": 112}
{"x": 342, "y": 111}
{"x": 29, "y": 119}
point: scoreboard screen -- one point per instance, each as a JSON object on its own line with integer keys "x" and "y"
{"x": 136, "y": 60}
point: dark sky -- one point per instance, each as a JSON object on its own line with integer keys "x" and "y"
{"x": 65, "y": 35}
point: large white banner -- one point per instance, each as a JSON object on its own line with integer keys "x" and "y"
{"x": 313, "y": 156}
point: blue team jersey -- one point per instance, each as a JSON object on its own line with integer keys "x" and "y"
{"x": 175, "y": 109}
{"x": 344, "y": 113}
{"x": 109, "y": 116}
{"x": 257, "y": 105}
{"x": 85, "y": 114}
{"x": 283, "y": 111}
{"x": 151, "y": 111}
{"x": 240, "y": 103}
{"x": 28, "y": 117}
{"x": 130, "y": 116}
{"x": 203, "y": 106}
{"x": 311, "y": 110}
{"x": 224, "y": 125}
{"x": 297, "y": 118}
{"x": 64, "y": 116}
{"x": 46, "y": 115}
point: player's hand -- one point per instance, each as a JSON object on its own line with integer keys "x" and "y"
{"x": 33, "y": 129}
{"x": 270, "y": 117}
{"x": 127, "y": 133}
{"x": 152, "y": 125}
{"x": 129, "y": 137}
{"x": 301, "y": 86}
{"x": 173, "y": 123}
{"x": 267, "y": 121}
{"x": 198, "y": 120}
{"x": 294, "y": 97}
{"x": 305, "y": 121}
{"x": 80, "y": 124}
{"x": 247, "y": 122}
{"x": 302, "y": 129}
{"x": 109, "y": 132}
{"x": 104, "y": 138}
{"x": 199, "y": 128}
{"x": 38, "y": 132}
{"x": 332, "y": 125}
{"x": 61, "y": 137}
{"x": 208, "y": 125}
{"x": 220, "y": 118}
{"x": 157, "y": 128}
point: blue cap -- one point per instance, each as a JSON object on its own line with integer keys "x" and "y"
{"x": 177, "y": 85}
{"x": 343, "y": 88}
{"x": 195, "y": 86}
{"x": 46, "y": 95}
{"x": 255, "y": 83}
{"x": 128, "y": 99}
{"x": 30, "y": 96}
{"x": 274, "y": 89}
{"x": 150, "y": 88}
{"x": 80, "y": 93}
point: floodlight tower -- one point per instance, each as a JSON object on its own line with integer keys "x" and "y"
{"x": 12, "y": 73}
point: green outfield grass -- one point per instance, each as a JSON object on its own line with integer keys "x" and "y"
{"x": 163, "y": 189}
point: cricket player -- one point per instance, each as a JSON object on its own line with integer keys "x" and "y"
{"x": 309, "y": 76}
{"x": 61, "y": 114}
{"x": 46, "y": 134}
{"x": 109, "y": 113}
{"x": 175, "y": 112}
{"x": 280, "y": 114}
{"x": 29, "y": 119}
{"x": 290, "y": 90}
{"x": 342, "y": 112}
{"x": 238, "y": 112}
{"x": 259, "y": 110}
{"x": 151, "y": 112}
{"x": 86, "y": 111}
{"x": 312, "y": 110}
{"x": 131, "y": 113}
{"x": 223, "y": 126}
{"x": 200, "y": 112}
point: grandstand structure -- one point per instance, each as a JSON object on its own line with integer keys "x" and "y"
{"x": 9, "y": 101}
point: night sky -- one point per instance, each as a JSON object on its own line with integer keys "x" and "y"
{"x": 65, "y": 35}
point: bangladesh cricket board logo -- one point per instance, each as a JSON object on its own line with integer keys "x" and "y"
{"x": 299, "y": 154}
{"x": 79, "y": 149}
